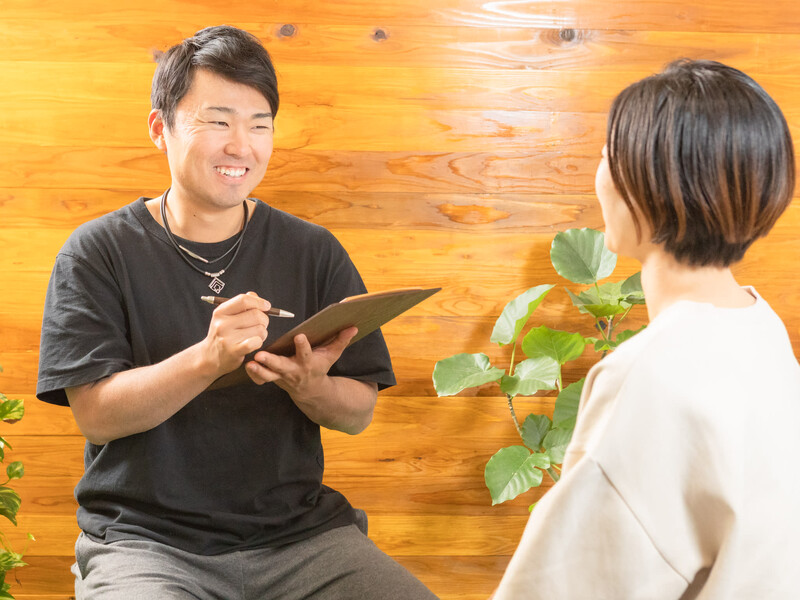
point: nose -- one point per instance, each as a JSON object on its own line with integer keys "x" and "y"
{"x": 238, "y": 143}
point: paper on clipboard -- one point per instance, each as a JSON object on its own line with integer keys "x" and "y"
{"x": 367, "y": 312}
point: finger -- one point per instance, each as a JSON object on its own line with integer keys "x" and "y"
{"x": 249, "y": 344}
{"x": 341, "y": 341}
{"x": 259, "y": 373}
{"x": 243, "y": 303}
{"x": 253, "y": 301}
{"x": 302, "y": 348}
{"x": 335, "y": 347}
{"x": 279, "y": 365}
{"x": 239, "y": 321}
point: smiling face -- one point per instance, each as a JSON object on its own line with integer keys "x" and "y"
{"x": 219, "y": 148}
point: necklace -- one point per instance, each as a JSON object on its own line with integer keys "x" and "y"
{"x": 216, "y": 284}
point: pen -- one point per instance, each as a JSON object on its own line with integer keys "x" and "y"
{"x": 275, "y": 312}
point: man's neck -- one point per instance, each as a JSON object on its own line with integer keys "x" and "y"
{"x": 198, "y": 224}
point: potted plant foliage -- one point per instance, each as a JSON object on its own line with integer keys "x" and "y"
{"x": 11, "y": 411}
{"x": 580, "y": 256}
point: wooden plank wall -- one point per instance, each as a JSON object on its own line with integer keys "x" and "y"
{"x": 443, "y": 141}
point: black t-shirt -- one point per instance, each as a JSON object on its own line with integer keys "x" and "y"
{"x": 236, "y": 468}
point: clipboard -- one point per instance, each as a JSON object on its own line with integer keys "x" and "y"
{"x": 367, "y": 312}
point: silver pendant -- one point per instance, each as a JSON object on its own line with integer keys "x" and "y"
{"x": 216, "y": 285}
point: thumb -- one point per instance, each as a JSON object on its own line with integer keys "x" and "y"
{"x": 340, "y": 342}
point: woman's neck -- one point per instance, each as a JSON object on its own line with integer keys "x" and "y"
{"x": 666, "y": 281}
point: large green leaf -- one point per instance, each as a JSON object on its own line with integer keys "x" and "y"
{"x": 635, "y": 299}
{"x": 10, "y": 560}
{"x": 604, "y": 345}
{"x": 566, "y": 409}
{"x": 610, "y": 292}
{"x": 631, "y": 289}
{"x": 589, "y": 302}
{"x": 15, "y": 470}
{"x": 532, "y": 375}
{"x": 512, "y": 471}
{"x": 534, "y": 429}
{"x": 4, "y": 593}
{"x": 9, "y": 503}
{"x": 11, "y": 411}
{"x": 3, "y": 445}
{"x": 622, "y": 336}
{"x": 633, "y": 284}
{"x": 581, "y": 256}
{"x": 627, "y": 334}
{"x": 562, "y": 346}
{"x": 516, "y": 314}
{"x": 589, "y": 296}
{"x": 462, "y": 371}
{"x": 555, "y": 443}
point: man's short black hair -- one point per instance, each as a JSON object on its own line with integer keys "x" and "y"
{"x": 224, "y": 50}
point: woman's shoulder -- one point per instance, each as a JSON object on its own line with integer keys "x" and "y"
{"x": 696, "y": 367}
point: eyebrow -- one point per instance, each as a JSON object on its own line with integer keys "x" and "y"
{"x": 231, "y": 111}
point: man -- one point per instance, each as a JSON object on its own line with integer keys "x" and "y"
{"x": 196, "y": 493}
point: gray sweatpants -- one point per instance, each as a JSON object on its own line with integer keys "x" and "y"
{"x": 340, "y": 564}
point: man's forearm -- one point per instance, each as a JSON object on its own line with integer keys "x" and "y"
{"x": 139, "y": 399}
{"x": 341, "y": 403}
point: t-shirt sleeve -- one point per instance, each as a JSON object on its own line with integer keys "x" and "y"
{"x": 84, "y": 335}
{"x": 368, "y": 359}
{"x": 582, "y": 541}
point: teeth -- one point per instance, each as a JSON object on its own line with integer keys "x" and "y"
{"x": 231, "y": 172}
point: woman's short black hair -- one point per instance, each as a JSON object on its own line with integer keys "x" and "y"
{"x": 703, "y": 154}
{"x": 224, "y": 50}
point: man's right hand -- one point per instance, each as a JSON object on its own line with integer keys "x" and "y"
{"x": 238, "y": 327}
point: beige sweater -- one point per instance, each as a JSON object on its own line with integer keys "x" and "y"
{"x": 682, "y": 478}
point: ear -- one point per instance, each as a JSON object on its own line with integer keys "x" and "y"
{"x": 156, "y": 125}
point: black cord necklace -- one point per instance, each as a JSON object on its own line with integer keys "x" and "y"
{"x": 216, "y": 284}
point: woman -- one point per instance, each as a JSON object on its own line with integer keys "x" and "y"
{"x": 680, "y": 480}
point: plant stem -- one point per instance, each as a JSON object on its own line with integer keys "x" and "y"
{"x": 625, "y": 314}
{"x": 600, "y": 328}
{"x": 513, "y": 353}
{"x": 513, "y": 414}
{"x": 553, "y": 475}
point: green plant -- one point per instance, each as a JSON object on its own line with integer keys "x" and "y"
{"x": 11, "y": 411}
{"x": 580, "y": 256}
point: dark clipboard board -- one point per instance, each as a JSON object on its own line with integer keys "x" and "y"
{"x": 368, "y": 312}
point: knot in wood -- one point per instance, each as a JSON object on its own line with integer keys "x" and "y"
{"x": 379, "y": 35}
{"x": 565, "y": 37}
{"x": 287, "y": 30}
{"x": 568, "y": 35}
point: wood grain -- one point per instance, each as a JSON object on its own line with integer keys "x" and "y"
{"x": 93, "y": 168}
{"x": 443, "y": 143}
{"x": 433, "y": 85}
{"x": 651, "y": 15}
